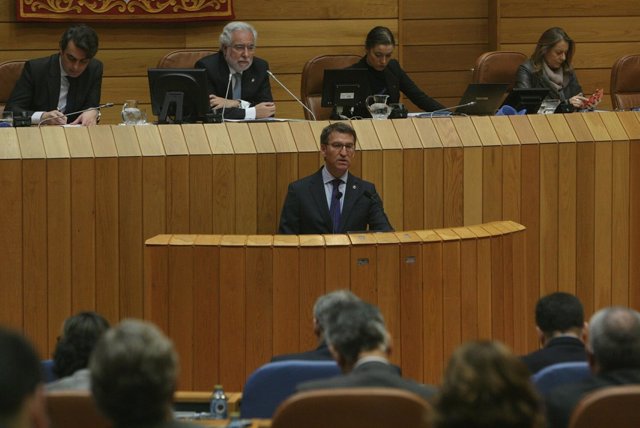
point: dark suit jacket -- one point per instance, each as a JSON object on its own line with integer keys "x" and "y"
{"x": 557, "y": 350}
{"x": 321, "y": 353}
{"x": 38, "y": 88}
{"x": 526, "y": 77}
{"x": 371, "y": 374}
{"x": 564, "y": 399}
{"x": 255, "y": 82}
{"x": 305, "y": 209}
{"x": 397, "y": 81}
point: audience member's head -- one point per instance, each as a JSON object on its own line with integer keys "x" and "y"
{"x": 356, "y": 330}
{"x": 134, "y": 370}
{"x": 486, "y": 386}
{"x": 21, "y": 388}
{"x": 80, "y": 333}
{"x": 614, "y": 339}
{"x": 559, "y": 314}
{"x": 325, "y": 305}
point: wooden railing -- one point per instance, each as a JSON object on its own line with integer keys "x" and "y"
{"x": 78, "y": 203}
{"x": 231, "y": 302}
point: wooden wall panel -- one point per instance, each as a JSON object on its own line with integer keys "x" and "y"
{"x": 572, "y": 177}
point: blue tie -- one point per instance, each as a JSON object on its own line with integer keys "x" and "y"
{"x": 334, "y": 209}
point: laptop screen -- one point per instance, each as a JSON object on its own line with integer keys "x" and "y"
{"x": 486, "y": 98}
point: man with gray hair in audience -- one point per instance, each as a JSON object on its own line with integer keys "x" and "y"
{"x": 613, "y": 350}
{"x": 238, "y": 81}
{"x": 134, "y": 371}
{"x": 322, "y": 309}
{"x": 361, "y": 344}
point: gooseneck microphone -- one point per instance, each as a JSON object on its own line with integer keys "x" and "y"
{"x": 375, "y": 198}
{"x": 291, "y": 93}
{"x": 101, "y": 106}
{"x": 435, "y": 112}
{"x": 226, "y": 94}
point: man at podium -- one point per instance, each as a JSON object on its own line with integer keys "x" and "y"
{"x": 332, "y": 200}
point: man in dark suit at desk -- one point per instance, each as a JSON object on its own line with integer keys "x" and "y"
{"x": 360, "y": 344}
{"x": 238, "y": 81}
{"x": 561, "y": 329}
{"x": 315, "y": 204}
{"x": 50, "y": 88}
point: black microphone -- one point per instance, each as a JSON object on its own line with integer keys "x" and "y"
{"x": 339, "y": 195}
{"x": 435, "y": 112}
{"x": 291, "y": 93}
{"x": 376, "y": 199}
{"x": 226, "y": 93}
{"x": 101, "y": 106}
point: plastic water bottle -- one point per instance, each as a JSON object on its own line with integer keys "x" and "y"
{"x": 218, "y": 406}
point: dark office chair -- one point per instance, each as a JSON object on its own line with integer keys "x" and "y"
{"x": 625, "y": 82}
{"x": 272, "y": 383}
{"x": 498, "y": 67}
{"x": 615, "y": 406}
{"x": 74, "y": 409}
{"x": 560, "y": 374}
{"x": 312, "y": 77}
{"x": 9, "y": 74}
{"x": 353, "y": 408}
{"x": 183, "y": 58}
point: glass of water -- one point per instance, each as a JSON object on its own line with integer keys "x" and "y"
{"x": 131, "y": 113}
{"x": 378, "y": 107}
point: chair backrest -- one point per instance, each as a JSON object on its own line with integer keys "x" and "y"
{"x": 615, "y": 406}
{"x": 312, "y": 77}
{"x": 498, "y": 67}
{"x": 183, "y": 58}
{"x": 74, "y": 409}
{"x": 272, "y": 383}
{"x": 559, "y": 374}
{"x": 47, "y": 371}
{"x": 625, "y": 82}
{"x": 353, "y": 408}
{"x": 9, "y": 74}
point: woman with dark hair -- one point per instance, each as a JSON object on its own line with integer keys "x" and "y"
{"x": 385, "y": 74}
{"x": 486, "y": 386}
{"x": 80, "y": 333}
{"x": 550, "y": 67}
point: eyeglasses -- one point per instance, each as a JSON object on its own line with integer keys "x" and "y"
{"x": 349, "y": 147}
{"x": 242, "y": 48}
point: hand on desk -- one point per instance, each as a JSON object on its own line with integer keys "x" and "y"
{"x": 264, "y": 110}
{"x": 217, "y": 102}
{"x": 53, "y": 117}
{"x": 87, "y": 118}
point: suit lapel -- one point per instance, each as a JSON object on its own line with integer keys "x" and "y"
{"x": 316, "y": 189}
{"x": 352, "y": 193}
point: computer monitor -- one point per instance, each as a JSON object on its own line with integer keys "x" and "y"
{"x": 179, "y": 94}
{"x": 526, "y": 98}
{"x": 345, "y": 88}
